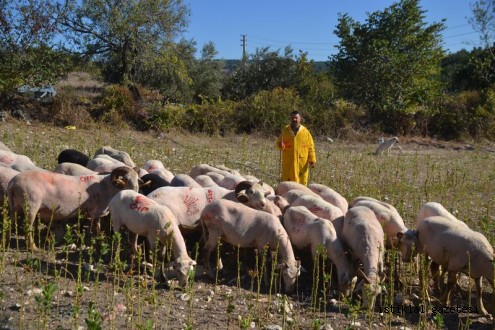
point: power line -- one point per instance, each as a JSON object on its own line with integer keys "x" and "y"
{"x": 267, "y": 42}
{"x": 282, "y": 42}
{"x": 464, "y": 43}
{"x": 287, "y": 42}
{"x": 457, "y": 26}
{"x": 459, "y": 35}
{"x": 271, "y": 45}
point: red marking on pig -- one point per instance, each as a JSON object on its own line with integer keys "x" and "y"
{"x": 48, "y": 178}
{"x": 86, "y": 178}
{"x": 191, "y": 204}
{"x": 315, "y": 209}
{"x": 141, "y": 204}
{"x": 300, "y": 222}
{"x": 210, "y": 196}
{"x": 6, "y": 159}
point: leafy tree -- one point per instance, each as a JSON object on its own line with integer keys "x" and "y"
{"x": 461, "y": 70}
{"x": 483, "y": 21}
{"x": 169, "y": 71}
{"x": 454, "y": 73}
{"x": 389, "y": 64}
{"x": 315, "y": 88}
{"x": 28, "y": 53}
{"x": 125, "y": 34}
{"x": 207, "y": 74}
{"x": 264, "y": 71}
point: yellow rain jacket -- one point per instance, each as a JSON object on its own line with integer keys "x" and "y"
{"x": 298, "y": 152}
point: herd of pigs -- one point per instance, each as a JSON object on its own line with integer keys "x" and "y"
{"x": 244, "y": 212}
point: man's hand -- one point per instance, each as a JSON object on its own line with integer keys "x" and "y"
{"x": 281, "y": 144}
{"x": 311, "y": 164}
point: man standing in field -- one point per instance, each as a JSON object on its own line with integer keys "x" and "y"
{"x": 298, "y": 150}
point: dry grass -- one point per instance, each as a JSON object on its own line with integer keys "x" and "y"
{"x": 83, "y": 83}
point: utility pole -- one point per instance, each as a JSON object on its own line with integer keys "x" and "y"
{"x": 244, "y": 44}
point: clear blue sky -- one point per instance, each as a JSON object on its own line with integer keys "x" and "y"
{"x": 307, "y": 25}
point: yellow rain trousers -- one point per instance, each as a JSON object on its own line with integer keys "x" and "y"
{"x": 298, "y": 152}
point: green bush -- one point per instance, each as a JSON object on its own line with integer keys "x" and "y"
{"x": 489, "y": 113}
{"x": 332, "y": 120}
{"x": 120, "y": 99}
{"x": 211, "y": 117}
{"x": 267, "y": 111}
{"x": 164, "y": 117}
{"x": 114, "y": 119}
{"x": 467, "y": 114}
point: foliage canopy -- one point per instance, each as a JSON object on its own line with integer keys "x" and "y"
{"x": 123, "y": 33}
{"x": 27, "y": 44}
{"x": 390, "y": 63}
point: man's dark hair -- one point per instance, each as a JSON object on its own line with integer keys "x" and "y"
{"x": 295, "y": 112}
